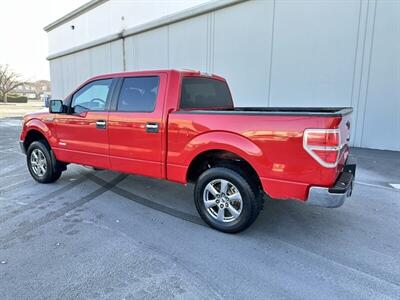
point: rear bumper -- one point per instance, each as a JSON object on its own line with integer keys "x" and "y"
{"x": 336, "y": 195}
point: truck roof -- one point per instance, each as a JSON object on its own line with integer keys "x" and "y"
{"x": 182, "y": 72}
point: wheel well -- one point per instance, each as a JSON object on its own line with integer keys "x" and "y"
{"x": 33, "y": 135}
{"x": 221, "y": 158}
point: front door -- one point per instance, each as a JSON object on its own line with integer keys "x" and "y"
{"x": 135, "y": 126}
{"x": 82, "y": 132}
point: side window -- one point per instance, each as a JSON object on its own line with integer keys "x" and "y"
{"x": 138, "y": 94}
{"x": 92, "y": 96}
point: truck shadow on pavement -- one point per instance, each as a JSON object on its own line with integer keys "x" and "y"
{"x": 177, "y": 200}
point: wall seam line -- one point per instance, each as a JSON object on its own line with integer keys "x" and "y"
{"x": 168, "y": 44}
{"x": 271, "y": 55}
{"x": 212, "y": 41}
{"x": 368, "y": 72}
{"x": 208, "y": 42}
{"x": 356, "y": 54}
{"x": 361, "y": 76}
{"x": 123, "y": 54}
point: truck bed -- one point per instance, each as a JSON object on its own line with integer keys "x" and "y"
{"x": 273, "y": 137}
{"x": 279, "y": 111}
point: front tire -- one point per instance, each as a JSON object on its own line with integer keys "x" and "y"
{"x": 226, "y": 200}
{"x": 40, "y": 164}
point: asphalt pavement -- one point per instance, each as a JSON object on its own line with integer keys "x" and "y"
{"x": 105, "y": 235}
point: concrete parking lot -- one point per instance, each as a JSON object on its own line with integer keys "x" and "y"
{"x": 99, "y": 234}
{"x": 8, "y": 110}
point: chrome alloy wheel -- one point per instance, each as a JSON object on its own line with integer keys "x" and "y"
{"x": 222, "y": 200}
{"x": 38, "y": 162}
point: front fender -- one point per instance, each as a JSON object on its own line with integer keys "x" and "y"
{"x": 47, "y": 130}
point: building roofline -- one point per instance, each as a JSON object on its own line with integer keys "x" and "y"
{"x": 163, "y": 21}
{"x": 75, "y": 13}
{"x": 104, "y": 40}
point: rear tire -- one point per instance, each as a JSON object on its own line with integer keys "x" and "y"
{"x": 225, "y": 199}
{"x": 40, "y": 164}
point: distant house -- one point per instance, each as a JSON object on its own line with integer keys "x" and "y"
{"x": 34, "y": 90}
{"x": 26, "y": 89}
{"x": 43, "y": 88}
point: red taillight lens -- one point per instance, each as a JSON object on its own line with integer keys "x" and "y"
{"x": 323, "y": 145}
{"x": 329, "y": 157}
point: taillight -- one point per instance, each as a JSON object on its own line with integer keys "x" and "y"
{"x": 323, "y": 145}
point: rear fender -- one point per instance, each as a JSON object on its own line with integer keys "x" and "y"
{"x": 227, "y": 141}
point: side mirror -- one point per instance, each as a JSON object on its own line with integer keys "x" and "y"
{"x": 56, "y": 106}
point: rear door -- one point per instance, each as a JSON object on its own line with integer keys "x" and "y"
{"x": 135, "y": 126}
{"x": 82, "y": 132}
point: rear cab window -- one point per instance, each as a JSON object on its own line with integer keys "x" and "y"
{"x": 205, "y": 93}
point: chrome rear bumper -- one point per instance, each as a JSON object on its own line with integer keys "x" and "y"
{"x": 336, "y": 195}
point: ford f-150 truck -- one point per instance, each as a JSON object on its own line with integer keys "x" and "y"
{"x": 182, "y": 126}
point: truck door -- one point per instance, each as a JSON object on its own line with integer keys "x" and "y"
{"x": 82, "y": 132}
{"x": 135, "y": 126}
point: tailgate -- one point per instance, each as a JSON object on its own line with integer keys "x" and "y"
{"x": 330, "y": 147}
{"x": 344, "y": 129}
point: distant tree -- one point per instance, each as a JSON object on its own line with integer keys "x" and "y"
{"x": 8, "y": 81}
{"x": 41, "y": 87}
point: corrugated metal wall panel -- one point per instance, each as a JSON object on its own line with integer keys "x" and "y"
{"x": 148, "y": 50}
{"x": 189, "y": 44}
{"x": 117, "y": 58}
{"x": 57, "y": 87}
{"x": 69, "y": 71}
{"x": 83, "y": 68}
{"x": 381, "y": 118}
{"x": 277, "y": 53}
{"x": 242, "y": 50}
{"x": 100, "y": 59}
{"x": 313, "y": 55}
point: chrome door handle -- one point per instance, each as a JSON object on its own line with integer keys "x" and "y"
{"x": 151, "y": 127}
{"x": 101, "y": 124}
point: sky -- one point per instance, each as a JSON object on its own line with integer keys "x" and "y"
{"x": 23, "y": 42}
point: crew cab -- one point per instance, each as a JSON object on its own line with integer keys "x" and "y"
{"x": 182, "y": 126}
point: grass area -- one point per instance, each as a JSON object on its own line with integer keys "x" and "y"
{"x": 19, "y": 109}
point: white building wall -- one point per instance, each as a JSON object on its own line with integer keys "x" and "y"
{"x": 68, "y": 71}
{"x": 381, "y": 121}
{"x": 313, "y": 55}
{"x": 242, "y": 50}
{"x": 275, "y": 53}
{"x": 189, "y": 39}
{"x": 111, "y": 17}
{"x": 148, "y": 50}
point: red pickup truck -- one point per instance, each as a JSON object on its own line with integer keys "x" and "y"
{"x": 182, "y": 126}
